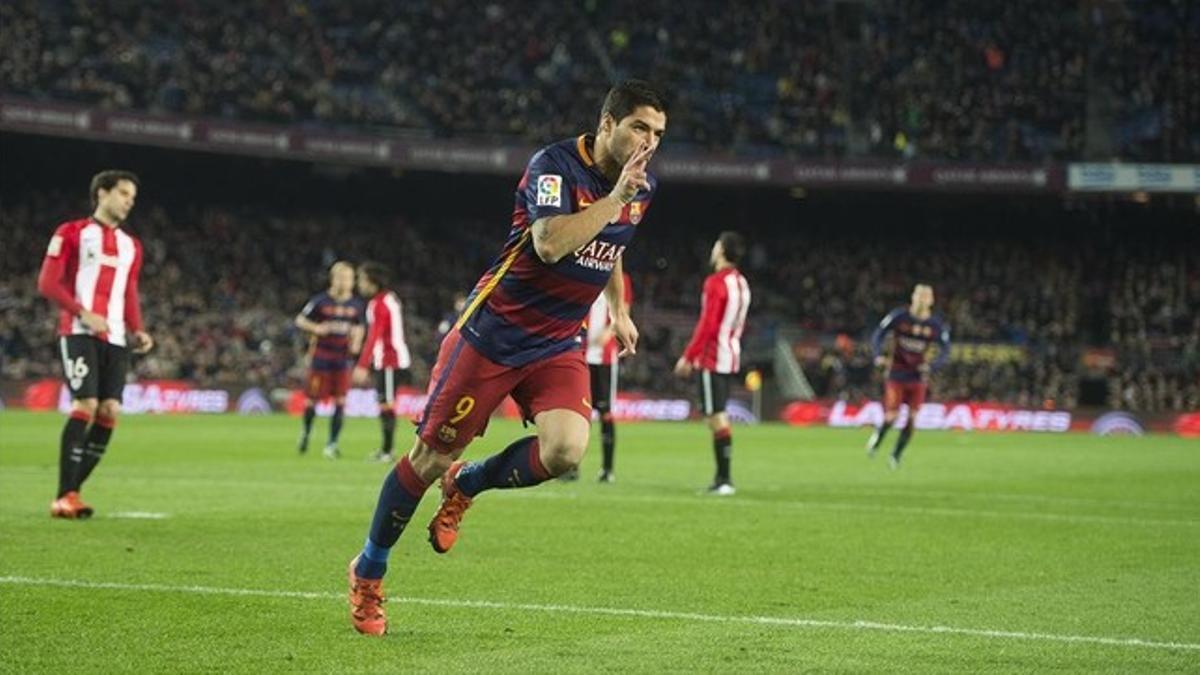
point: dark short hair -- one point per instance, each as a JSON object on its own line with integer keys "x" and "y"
{"x": 377, "y": 272}
{"x": 733, "y": 244}
{"x": 629, "y": 95}
{"x": 108, "y": 179}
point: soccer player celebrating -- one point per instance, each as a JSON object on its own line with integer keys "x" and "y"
{"x": 914, "y": 329}
{"x": 333, "y": 318}
{"x": 91, "y": 272}
{"x": 602, "y": 351}
{"x": 385, "y": 351}
{"x": 577, "y": 208}
{"x": 716, "y": 348}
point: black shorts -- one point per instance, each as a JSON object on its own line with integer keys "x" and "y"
{"x": 93, "y": 368}
{"x": 604, "y": 386}
{"x": 386, "y": 382}
{"x": 714, "y": 391}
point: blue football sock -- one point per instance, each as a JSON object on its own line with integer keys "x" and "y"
{"x": 398, "y": 498}
{"x": 516, "y": 466}
{"x": 310, "y": 411}
{"x": 335, "y": 424}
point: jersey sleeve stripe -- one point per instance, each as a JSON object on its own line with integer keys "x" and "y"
{"x": 491, "y": 284}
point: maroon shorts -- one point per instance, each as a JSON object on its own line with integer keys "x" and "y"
{"x": 895, "y": 393}
{"x": 323, "y": 384}
{"x": 466, "y": 387}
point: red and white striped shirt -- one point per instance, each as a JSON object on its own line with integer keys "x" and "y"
{"x": 603, "y": 353}
{"x": 94, "y": 267}
{"x": 385, "y": 346}
{"x": 717, "y": 340}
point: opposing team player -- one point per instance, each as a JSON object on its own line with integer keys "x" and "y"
{"x": 333, "y": 319}
{"x": 603, "y": 360}
{"x": 577, "y": 208}
{"x": 715, "y": 349}
{"x": 91, "y": 272}
{"x": 914, "y": 329}
{"x": 385, "y": 351}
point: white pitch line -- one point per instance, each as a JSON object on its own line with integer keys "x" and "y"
{"x": 886, "y": 509}
{"x": 623, "y": 612}
{"x": 139, "y": 515}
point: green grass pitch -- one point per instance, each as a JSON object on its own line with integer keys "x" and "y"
{"x": 985, "y": 552}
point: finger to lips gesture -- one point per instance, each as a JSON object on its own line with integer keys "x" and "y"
{"x": 633, "y": 175}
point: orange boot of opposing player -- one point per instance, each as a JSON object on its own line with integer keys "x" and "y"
{"x": 443, "y": 529}
{"x": 70, "y": 506}
{"x": 366, "y": 603}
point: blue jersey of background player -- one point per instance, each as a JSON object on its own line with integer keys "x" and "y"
{"x": 914, "y": 329}
{"x": 334, "y": 320}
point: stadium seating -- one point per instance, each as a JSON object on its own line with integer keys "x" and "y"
{"x": 222, "y": 284}
{"x": 1021, "y": 80}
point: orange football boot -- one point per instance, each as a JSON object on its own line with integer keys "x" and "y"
{"x": 443, "y": 529}
{"x": 70, "y": 506}
{"x": 366, "y": 604}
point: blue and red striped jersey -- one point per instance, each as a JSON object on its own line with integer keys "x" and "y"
{"x": 913, "y": 337}
{"x": 332, "y": 350}
{"x": 523, "y": 309}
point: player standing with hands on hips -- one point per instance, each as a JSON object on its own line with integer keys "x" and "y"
{"x": 91, "y": 272}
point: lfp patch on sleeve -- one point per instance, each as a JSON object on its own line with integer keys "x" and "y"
{"x": 549, "y": 190}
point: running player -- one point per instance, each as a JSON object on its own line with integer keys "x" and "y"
{"x": 91, "y": 272}
{"x": 716, "y": 348}
{"x": 914, "y": 329}
{"x": 577, "y": 208}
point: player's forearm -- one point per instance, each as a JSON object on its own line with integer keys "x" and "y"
{"x": 555, "y": 237}
{"x": 51, "y": 289}
{"x": 306, "y": 324}
{"x": 133, "y": 306}
{"x": 701, "y": 335}
{"x": 943, "y": 356}
{"x": 133, "y": 316}
{"x": 614, "y": 292}
{"x": 877, "y": 342}
{"x": 876, "y": 345}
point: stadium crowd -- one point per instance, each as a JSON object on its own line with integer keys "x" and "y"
{"x": 222, "y": 284}
{"x": 1019, "y": 80}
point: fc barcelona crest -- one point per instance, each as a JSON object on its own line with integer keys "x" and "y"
{"x": 635, "y": 212}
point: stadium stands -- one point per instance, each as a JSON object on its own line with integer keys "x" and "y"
{"x": 223, "y": 282}
{"x": 1022, "y": 80}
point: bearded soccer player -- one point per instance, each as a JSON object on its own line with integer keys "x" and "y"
{"x": 334, "y": 320}
{"x": 385, "y": 351}
{"x": 601, "y": 351}
{"x": 91, "y": 272}
{"x": 914, "y": 329}
{"x": 715, "y": 349}
{"x": 577, "y": 208}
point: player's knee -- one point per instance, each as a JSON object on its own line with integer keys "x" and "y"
{"x": 718, "y": 421}
{"x": 87, "y": 406}
{"x": 562, "y": 455}
{"x": 890, "y": 417}
{"x": 108, "y": 408}
{"x": 427, "y": 462}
